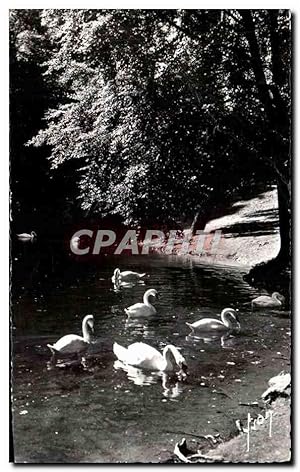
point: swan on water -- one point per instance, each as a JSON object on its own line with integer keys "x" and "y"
{"x": 72, "y": 343}
{"x": 27, "y": 236}
{"x": 265, "y": 301}
{"x": 145, "y": 308}
{"x": 126, "y": 276}
{"x": 229, "y": 321}
{"x": 147, "y": 357}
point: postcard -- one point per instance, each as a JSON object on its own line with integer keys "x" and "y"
{"x": 150, "y": 254}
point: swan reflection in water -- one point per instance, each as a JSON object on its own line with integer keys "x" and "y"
{"x": 226, "y": 341}
{"x": 171, "y": 383}
{"x": 136, "y": 326}
{"x": 118, "y": 285}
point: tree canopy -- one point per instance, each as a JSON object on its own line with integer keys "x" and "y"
{"x": 154, "y": 114}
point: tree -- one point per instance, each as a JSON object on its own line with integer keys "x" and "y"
{"x": 157, "y": 107}
{"x": 255, "y": 50}
{"x": 41, "y": 199}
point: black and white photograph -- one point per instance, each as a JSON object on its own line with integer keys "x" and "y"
{"x": 150, "y": 180}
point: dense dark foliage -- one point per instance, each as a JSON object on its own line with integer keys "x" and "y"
{"x": 148, "y": 114}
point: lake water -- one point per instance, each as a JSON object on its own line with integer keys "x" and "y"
{"x": 101, "y": 413}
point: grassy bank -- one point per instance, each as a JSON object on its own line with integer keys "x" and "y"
{"x": 263, "y": 448}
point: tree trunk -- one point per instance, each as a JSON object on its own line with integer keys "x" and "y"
{"x": 278, "y": 117}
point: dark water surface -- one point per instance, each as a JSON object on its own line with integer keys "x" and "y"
{"x": 101, "y": 413}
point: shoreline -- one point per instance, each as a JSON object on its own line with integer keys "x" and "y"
{"x": 249, "y": 235}
{"x": 269, "y": 442}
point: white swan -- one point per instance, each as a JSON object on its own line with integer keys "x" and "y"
{"x": 228, "y": 321}
{"x": 27, "y": 236}
{"x": 265, "y": 301}
{"x": 145, "y": 308}
{"x": 126, "y": 276}
{"x": 72, "y": 343}
{"x": 147, "y": 357}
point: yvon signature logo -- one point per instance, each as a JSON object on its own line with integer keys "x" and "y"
{"x": 252, "y": 424}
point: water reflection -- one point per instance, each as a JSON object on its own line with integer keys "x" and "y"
{"x": 118, "y": 285}
{"x": 171, "y": 385}
{"x": 87, "y": 407}
{"x": 136, "y": 327}
{"x": 225, "y": 341}
{"x": 80, "y": 364}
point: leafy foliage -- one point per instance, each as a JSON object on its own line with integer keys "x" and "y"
{"x": 156, "y": 108}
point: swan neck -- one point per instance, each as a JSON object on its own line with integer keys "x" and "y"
{"x": 85, "y": 331}
{"x": 275, "y": 297}
{"x": 169, "y": 357}
{"x": 146, "y": 299}
{"x": 225, "y": 320}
